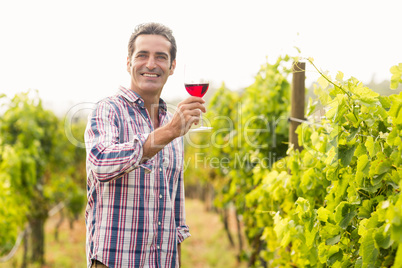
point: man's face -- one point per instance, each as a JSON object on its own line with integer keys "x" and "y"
{"x": 150, "y": 65}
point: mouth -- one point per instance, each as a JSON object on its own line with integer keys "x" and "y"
{"x": 150, "y": 75}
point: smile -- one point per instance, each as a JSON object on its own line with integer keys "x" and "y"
{"x": 150, "y": 75}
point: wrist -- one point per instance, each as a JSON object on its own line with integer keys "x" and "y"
{"x": 169, "y": 132}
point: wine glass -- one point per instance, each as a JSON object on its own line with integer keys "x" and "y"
{"x": 196, "y": 85}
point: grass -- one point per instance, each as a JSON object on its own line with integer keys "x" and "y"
{"x": 68, "y": 251}
{"x": 207, "y": 247}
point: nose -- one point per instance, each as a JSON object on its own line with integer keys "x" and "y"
{"x": 151, "y": 63}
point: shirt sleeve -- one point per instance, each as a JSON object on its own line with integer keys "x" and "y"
{"x": 107, "y": 158}
{"x": 183, "y": 230}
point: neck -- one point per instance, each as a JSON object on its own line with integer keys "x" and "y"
{"x": 153, "y": 111}
{"x": 151, "y": 103}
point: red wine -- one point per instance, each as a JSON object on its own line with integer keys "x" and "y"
{"x": 197, "y": 90}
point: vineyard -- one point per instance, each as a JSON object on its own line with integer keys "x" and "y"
{"x": 336, "y": 202}
{"x": 333, "y": 203}
{"x": 40, "y": 171}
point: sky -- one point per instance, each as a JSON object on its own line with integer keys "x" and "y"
{"x": 75, "y": 52}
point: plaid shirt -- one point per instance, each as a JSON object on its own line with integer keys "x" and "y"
{"x": 135, "y": 213}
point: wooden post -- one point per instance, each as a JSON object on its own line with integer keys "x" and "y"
{"x": 297, "y": 102}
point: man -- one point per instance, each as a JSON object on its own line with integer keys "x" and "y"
{"x": 135, "y": 213}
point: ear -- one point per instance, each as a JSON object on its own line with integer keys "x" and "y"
{"x": 128, "y": 64}
{"x": 172, "y": 67}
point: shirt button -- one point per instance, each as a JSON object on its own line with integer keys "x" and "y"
{"x": 159, "y": 223}
{"x": 160, "y": 196}
{"x": 160, "y": 169}
{"x": 157, "y": 246}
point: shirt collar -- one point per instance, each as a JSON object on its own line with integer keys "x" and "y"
{"x": 134, "y": 98}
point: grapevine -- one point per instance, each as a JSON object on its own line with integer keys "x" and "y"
{"x": 337, "y": 202}
{"x": 39, "y": 168}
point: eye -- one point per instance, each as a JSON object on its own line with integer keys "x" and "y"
{"x": 162, "y": 57}
{"x": 141, "y": 55}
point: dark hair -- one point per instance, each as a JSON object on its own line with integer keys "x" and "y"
{"x": 153, "y": 28}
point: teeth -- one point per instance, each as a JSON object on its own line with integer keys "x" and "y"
{"x": 150, "y": 75}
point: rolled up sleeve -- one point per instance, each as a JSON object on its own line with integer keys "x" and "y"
{"x": 107, "y": 158}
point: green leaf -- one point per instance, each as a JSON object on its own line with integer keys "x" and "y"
{"x": 365, "y": 209}
{"x": 383, "y": 167}
{"x": 330, "y": 230}
{"x": 359, "y": 263}
{"x": 379, "y": 167}
{"x": 344, "y": 213}
{"x": 334, "y": 254}
{"x": 368, "y": 250}
{"x": 370, "y": 146}
{"x": 360, "y": 150}
{"x": 333, "y": 240}
{"x": 307, "y": 180}
{"x": 332, "y": 174}
{"x": 396, "y": 111}
{"x": 398, "y": 258}
{"x": 353, "y": 133}
{"x": 323, "y": 95}
{"x": 393, "y": 137}
{"x": 396, "y": 77}
{"x": 363, "y": 165}
{"x": 346, "y": 153}
{"x": 323, "y": 252}
{"x": 311, "y": 236}
{"x": 365, "y": 94}
{"x": 335, "y": 257}
{"x": 323, "y": 82}
{"x": 383, "y": 238}
{"x": 323, "y": 214}
{"x": 353, "y": 195}
{"x": 339, "y": 76}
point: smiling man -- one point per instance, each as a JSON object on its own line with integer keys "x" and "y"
{"x": 135, "y": 213}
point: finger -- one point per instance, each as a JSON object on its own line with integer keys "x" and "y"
{"x": 192, "y": 116}
{"x": 191, "y": 107}
{"x": 185, "y": 115}
{"x": 195, "y": 119}
{"x": 198, "y": 109}
{"x": 193, "y": 99}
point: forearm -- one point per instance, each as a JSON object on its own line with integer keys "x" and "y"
{"x": 187, "y": 113}
{"x": 109, "y": 161}
{"x": 156, "y": 141}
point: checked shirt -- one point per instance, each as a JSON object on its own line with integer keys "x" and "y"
{"x": 135, "y": 213}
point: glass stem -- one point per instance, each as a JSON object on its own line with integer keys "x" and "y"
{"x": 201, "y": 119}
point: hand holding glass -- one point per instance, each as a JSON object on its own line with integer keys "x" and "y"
{"x": 196, "y": 86}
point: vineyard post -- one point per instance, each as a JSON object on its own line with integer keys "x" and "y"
{"x": 297, "y": 102}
